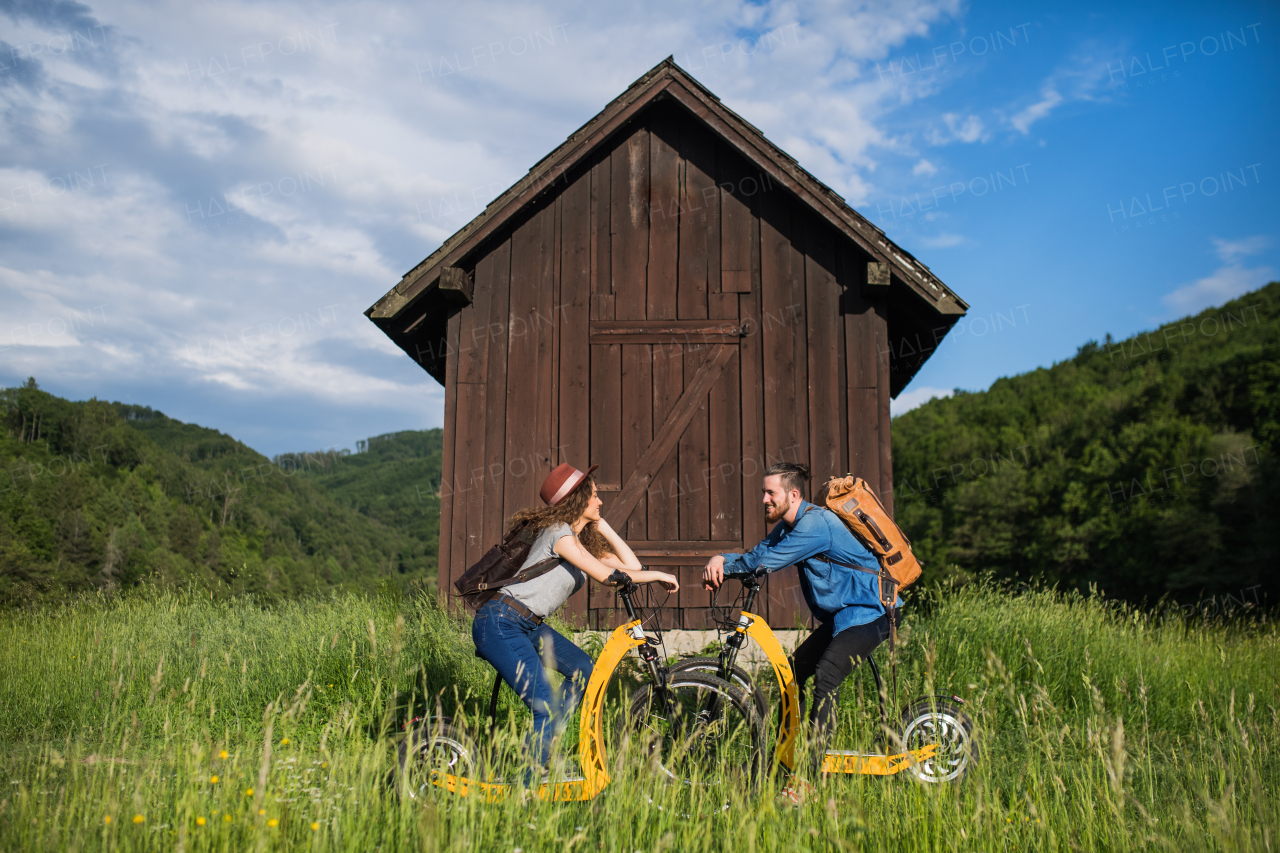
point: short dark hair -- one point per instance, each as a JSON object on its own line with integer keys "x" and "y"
{"x": 793, "y": 474}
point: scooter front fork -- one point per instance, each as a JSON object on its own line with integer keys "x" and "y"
{"x": 733, "y": 646}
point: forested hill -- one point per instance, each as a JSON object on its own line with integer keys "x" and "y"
{"x": 394, "y": 479}
{"x": 98, "y": 494}
{"x": 1147, "y": 467}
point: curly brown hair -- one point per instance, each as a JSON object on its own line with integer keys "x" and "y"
{"x": 568, "y": 511}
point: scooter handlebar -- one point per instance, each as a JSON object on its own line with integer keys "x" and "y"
{"x": 622, "y": 581}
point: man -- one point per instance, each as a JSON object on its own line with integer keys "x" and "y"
{"x": 844, "y": 600}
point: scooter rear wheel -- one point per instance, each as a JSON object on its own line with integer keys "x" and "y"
{"x": 435, "y": 745}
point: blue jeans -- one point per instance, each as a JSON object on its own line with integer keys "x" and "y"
{"x": 515, "y": 645}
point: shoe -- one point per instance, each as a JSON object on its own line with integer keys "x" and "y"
{"x": 797, "y": 793}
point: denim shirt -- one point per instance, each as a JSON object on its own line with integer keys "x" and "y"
{"x": 848, "y": 596}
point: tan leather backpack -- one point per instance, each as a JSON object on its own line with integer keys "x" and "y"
{"x": 851, "y": 499}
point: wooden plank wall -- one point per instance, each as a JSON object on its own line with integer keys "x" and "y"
{"x": 668, "y": 224}
{"x": 866, "y": 338}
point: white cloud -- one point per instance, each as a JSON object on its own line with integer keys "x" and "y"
{"x": 914, "y": 398}
{"x": 943, "y": 240}
{"x": 1227, "y": 281}
{"x": 924, "y": 167}
{"x": 412, "y": 147}
{"x": 968, "y": 129}
{"x": 1079, "y": 79}
{"x": 959, "y": 128}
{"x": 1049, "y": 98}
{"x": 1232, "y": 250}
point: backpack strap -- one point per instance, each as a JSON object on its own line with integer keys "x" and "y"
{"x": 537, "y": 570}
{"x": 879, "y": 571}
{"x": 484, "y": 591}
{"x": 826, "y": 559}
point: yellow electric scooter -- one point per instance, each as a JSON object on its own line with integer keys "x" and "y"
{"x": 693, "y": 724}
{"x": 936, "y": 734}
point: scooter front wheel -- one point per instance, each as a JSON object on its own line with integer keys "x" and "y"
{"x": 738, "y": 677}
{"x": 699, "y": 729}
{"x": 940, "y": 722}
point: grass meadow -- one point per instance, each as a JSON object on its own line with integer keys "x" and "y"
{"x": 167, "y": 721}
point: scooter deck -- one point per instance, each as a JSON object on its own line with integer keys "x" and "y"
{"x": 569, "y": 790}
{"x": 591, "y": 736}
{"x": 836, "y": 761}
{"x": 575, "y": 790}
{"x": 875, "y": 764}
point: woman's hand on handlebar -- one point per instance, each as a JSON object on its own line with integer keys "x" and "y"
{"x": 648, "y": 576}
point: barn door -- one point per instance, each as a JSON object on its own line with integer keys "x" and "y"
{"x": 665, "y": 429}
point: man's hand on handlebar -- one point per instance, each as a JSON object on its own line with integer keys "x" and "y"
{"x": 713, "y": 573}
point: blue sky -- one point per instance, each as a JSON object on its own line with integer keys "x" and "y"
{"x": 197, "y": 201}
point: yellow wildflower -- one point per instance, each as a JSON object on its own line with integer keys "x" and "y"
{"x": 139, "y": 819}
{"x": 248, "y": 792}
{"x": 224, "y": 754}
{"x": 106, "y": 818}
{"x": 315, "y": 827}
{"x": 261, "y": 812}
{"x": 284, "y": 742}
{"x": 226, "y": 818}
{"x": 199, "y": 821}
{"x": 214, "y": 778}
{"x": 273, "y": 822}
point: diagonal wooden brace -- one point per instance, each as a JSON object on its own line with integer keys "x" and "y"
{"x": 669, "y": 433}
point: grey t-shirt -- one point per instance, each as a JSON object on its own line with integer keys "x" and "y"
{"x": 544, "y": 594}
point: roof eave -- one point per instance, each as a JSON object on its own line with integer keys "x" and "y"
{"x": 668, "y": 80}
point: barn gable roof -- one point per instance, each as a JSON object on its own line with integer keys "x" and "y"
{"x": 933, "y": 310}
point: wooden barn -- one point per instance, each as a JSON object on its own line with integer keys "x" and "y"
{"x": 670, "y": 296}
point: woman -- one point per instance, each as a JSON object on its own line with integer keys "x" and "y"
{"x": 508, "y": 630}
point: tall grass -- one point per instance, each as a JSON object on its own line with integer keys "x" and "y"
{"x": 166, "y": 721}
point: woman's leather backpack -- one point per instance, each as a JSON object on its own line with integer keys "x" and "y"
{"x": 501, "y": 566}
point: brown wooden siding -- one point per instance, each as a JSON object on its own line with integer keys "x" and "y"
{"x": 666, "y": 227}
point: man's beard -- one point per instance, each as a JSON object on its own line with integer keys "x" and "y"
{"x": 775, "y": 515}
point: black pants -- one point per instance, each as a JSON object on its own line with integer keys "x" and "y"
{"x": 828, "y": 661}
